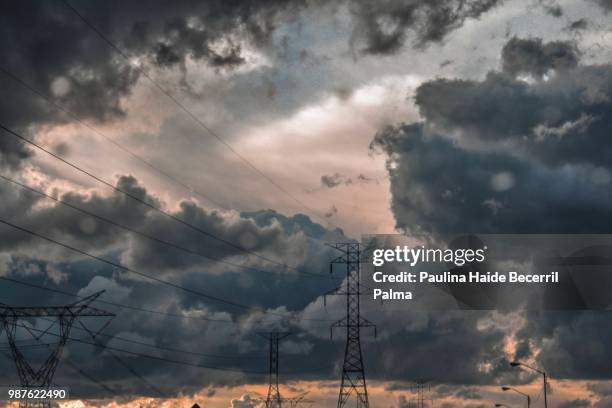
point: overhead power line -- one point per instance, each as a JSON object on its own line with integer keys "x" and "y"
{"x": 153, "y": 278}
{"x": 70, "y": 363}
{"x": 153, "y": 346}
{"x": 39, "y": 344}
{"x": 125, "y": 365}
{"x": 90, "y": 378}
{"x": 109, "y": 139}
{"x": 172, "y": 361}
{"x": 144, "y": 355}
{"x": 129, "y": 307}
{"x": 148, "y": 236}
{"x": 188, "y": 112}
{"x": 144, "y": 202}
{"x": 119, "y": 305}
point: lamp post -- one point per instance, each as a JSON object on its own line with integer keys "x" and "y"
{"x": 519, "y": 364}
{"x": 519, "y": 392}
{"x": 502, "y": 405}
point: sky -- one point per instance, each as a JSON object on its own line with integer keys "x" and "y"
{"x": 230, "y": 140}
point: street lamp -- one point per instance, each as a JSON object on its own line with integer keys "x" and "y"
{"x": 502, "y": 405}
{"x": 519, "y": 392}
{"x": 519, "y": 364}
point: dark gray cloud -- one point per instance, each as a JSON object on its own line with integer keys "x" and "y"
{"x": 504, "y": 155}
{"x": 70, "y": 226}
{"x": 266, "y": 232}
{"x": 337, "y": 179}
{"x": 605, "y": 4}
{"x": 62, "y": 59}
{"x": 438, "y": 186}
{"x": 563, "y": 335}
{"x": 211, "y": 32}
{"x": 578, "y": 25}
{"x": 242, "y": 232}
{"x": 551, "y": 7}
{"x": 532, "y": 56}
{"x": 229, "y": 235}
{"x": 67, "y": 61}
{"x": 384, "y": 27}
{"x": 334, "y": 180}
{"x": 467, "y": 184}
{"x": 438, "y": 341}
{"x": 268, "y": 291}
{"x": 548, "y": 120}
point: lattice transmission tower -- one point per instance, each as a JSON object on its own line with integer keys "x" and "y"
{"x": 65, "y": 316}
{"x": 421, "y": 388}
{"x": 274, "y": 399}
{"x": 353, "y": 373}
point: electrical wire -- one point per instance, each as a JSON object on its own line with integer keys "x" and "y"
{"x": 183, "y": 108}
{"x": 153, "y": 278}
{"x": 162, "y": 348}
{"x": 76, "y": 118}
{"x": 129, "y": 307}
{"x": 144, "y": 202}
{"x": 148, "y": 236}
{"x": 124, "y": 364}
{"x": 119, "y": 305}
{"x": 148, "y": 356}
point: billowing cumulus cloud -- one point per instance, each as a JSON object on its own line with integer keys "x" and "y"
{"x": 532, "y": 57}
{"x": 506, "y": 155}
{"x": 69, "y": 225}
{"x": 243, "y": 402}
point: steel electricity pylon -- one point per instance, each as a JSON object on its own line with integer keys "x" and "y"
{"x": 66, "y": 316}
{"x": 274, "y": 399}
{"x": 421, "y": 388}
{"x": 353, "y": 373}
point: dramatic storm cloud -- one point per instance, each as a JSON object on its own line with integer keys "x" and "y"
{"x": 68, "y": 62}
{"x": 487, "y": 124}
{"x": 504, "y": 154}
{"x": 533, "y": 57}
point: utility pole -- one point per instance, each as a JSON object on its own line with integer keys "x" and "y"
{"x": 66, "y": 316}
{"x": 353, "y": 374}
{"x": 542, "y": 372}
{"x": 274, "y": 399}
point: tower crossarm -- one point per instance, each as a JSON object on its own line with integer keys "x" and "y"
{"x": 65, "y": 316}
{"x": 80, "y": 309}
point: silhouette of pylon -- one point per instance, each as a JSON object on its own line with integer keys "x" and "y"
{"x": 274, "y": 399}
{"x": 66, "y": 316}
{"x": 420, "y": 388}
{"x": 353, "y": 373}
